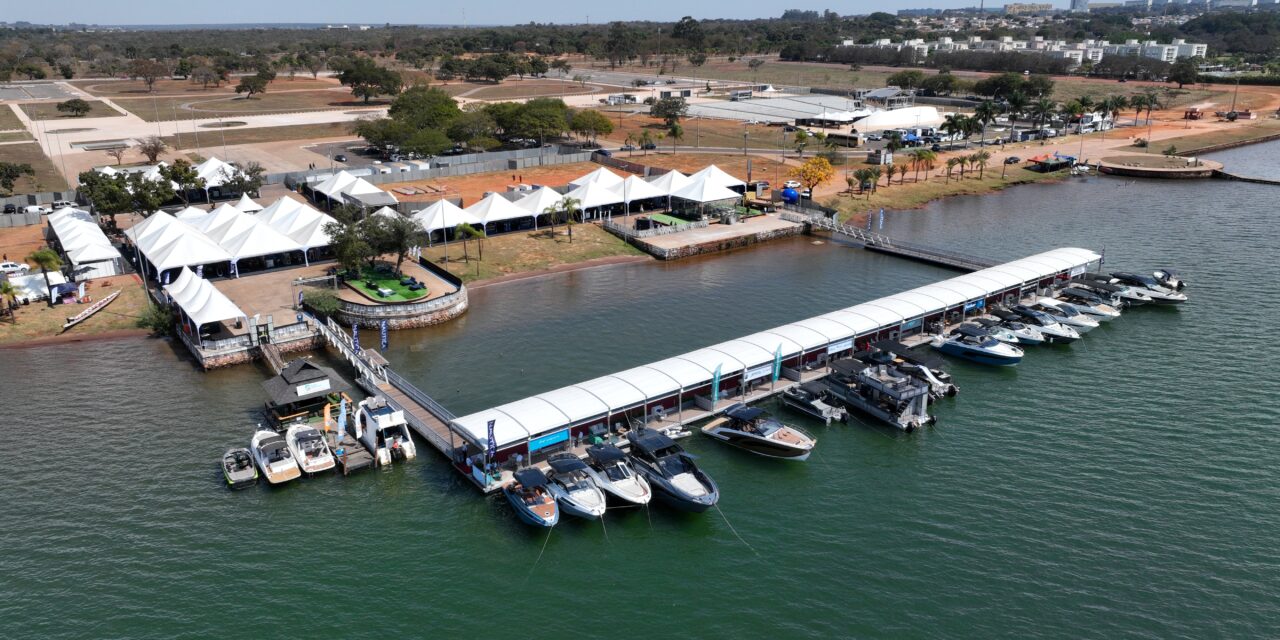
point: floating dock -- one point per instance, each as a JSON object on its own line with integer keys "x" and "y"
{"x": 881, "y": 243}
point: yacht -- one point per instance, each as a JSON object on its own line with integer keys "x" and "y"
{"x": 1150, "y": 286}
{"x": 1025, "y": 334}
{"x": 1065, "y": 315}
{"x": 752, "y": 429}
{"x": 573, "y": 488}
{"x": 977, "y": 346}
{"x": 993, "y": 330}
{"x": 1052, "y": 330}
{"x": 1103, "y": 285}
{"x": 1169, "y": 279}
{"x": 1092, "y": 308}
{"x": 272, "y": 456}
{"x": 608, "y": 466}
{"x": 384, "y": 431}
{"x": 922, "y": 366}
{"x": 309, "y": 449}
{"x": 529, "y": 496}
{"x": 671, "y": 472}
{"x": 811, "y": 398}
{"x": 881, "y": 391}
{"x": 238, "y": 469}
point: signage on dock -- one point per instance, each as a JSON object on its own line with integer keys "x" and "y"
{"x": 1078, "y": 271}
{"x": 838, "y": 346}
{"x": 312, "y": 387}
{"x": 548, "y": 440}
{"x": 758, "y": 372}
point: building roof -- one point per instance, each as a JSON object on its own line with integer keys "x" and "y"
{"x": 443, "y": 214}
{"x": 201, "y": 301}
{"x": 284, "y": 388}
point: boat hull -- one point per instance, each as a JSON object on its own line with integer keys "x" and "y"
{"x": 979, "y": 356}
{"x": 540, "y": 515}
{"x": 762, "y": 446}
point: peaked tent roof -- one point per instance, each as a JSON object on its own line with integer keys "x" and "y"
{"x": 216, "y": 172}
{"x": 157, "y": 230}
{"x": 594, "y": 194}
{"x": 443, "y": 214}
{"x": 670, "y": 181}
{"x": 495, "y": 208}
{"x": 243, "y": 235}
{"x": 602, "y": 176}
{"x": 298, "y": 220}
{"x": 635, "y": 188}
{"x": 717, "y": 176}
{"x": 186, "y": 248}
{"x": 201, "y": 301}
{"x": 538, "y": 201}
{"x": 80, "y": 236}
{"x": 334, "y": 184}
{"x": 705, "y": 191}
{"x": 386, "y": 212}
{"x": 247, "y": 205}
{"x": 191, "y": 213}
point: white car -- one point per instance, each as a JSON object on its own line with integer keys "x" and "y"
{"x": 791, "y": 184}
{"x": 14, "y": 269}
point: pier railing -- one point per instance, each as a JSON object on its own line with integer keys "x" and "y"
{"x": 884, "y": 244}
{"x": 417, "y": 395}
{"x": 628, "y": 233}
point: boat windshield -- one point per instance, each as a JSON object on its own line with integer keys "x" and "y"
{"x": 617, "y": 472}
{"x": 674, "y": 465}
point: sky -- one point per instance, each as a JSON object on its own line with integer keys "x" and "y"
{"x": 468, "y": 12}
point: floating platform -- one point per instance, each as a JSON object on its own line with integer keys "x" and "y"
{"x": 1150, "y": 165}
{"x": 350, "y": 454}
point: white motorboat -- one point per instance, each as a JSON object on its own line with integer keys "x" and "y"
{"x": 608, "y": 466}
{"x": 1150, "y": 286}
{"x": 1169, "y": 279}
{"x": 979, "y": 330}
{"x": 752, "y": 429}
{"x": 1053, "y": 331}
{"x": 1089, "y": 303}
{"x": 529, "y": 495}
{"x": 926, "y": 368}
{"x": 272, "y": 456}
{"x": 573, "y": 488}
{"x": 981, "y": 349}
{"x": 1066, "y": 315}
{"x": 309, "y": 449}
{"x": 1104, "y": 285}
{"x": 384, "y": 431}
{"x": 1026, "y": 334}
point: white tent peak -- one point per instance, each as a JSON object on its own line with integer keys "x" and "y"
{"x": 443, "y": 214}
{"x": 247, "y": 205}
{"x": 600, "y": 176}
{"x": 496, "y": 208}
{"x": 717, "y": 176}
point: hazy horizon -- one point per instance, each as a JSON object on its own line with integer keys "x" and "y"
{"x": 476, "y": 13}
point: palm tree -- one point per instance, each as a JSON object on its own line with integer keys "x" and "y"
{"x": 984, "y": 114}
{"x": 863, "y": 176}
{"x": 951, "y": 165}
{"x": 888, "y": 169}
{"x": 1042, "y": 110}
{"x": 567, "y": 208}
{"x": 1118, "y": 104}
{"x": 1017, "y": 105}
{"x": 1137, "y": 103}
{"x": 902, "y": 173}
{"x": 631, "y": 144}
{"x": 7, "y": 294}
{"x": 1152, "y": 102}
{"x": 675, "y": 132}
{"x": 873, "y": 174}
{"x": 953, "y": 125}
{"x": 980, "y": 158}
{"x": 47, "y": 259}
{"x": 928, "y": 158}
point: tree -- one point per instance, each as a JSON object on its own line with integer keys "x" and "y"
{"x": 981, "y": 158}
{"x": 621, "y": 45}
{"x": 153, "y": 147}
{"x": 1042, "y": 109}
{"x": 75, "y": 106}
{"x": 206, "y": 76}
{"x": 10, "y": 172}
{"x": 399, "y": 236}
{"x": 563, "y": 66}
{"x": 812, "y": 172}
{"x": 118, "y": 153}
{"x": 754, "y": 65}
{"x": 669, "y": 109}
{"x": 148, "y": 195}
{"x": 1151, "y": 102}
{"x": 368, "y": 80}
{"x": 185, "y": 176}
{"x": 873, "y": 175}
{"x": 676, "y": 133}
{"x": 31, "y": 70}
{"x": 108, "y": 194}
{"x": 183, "y": 68}
{"x": 909, "y": 79}
{"x": 1016, "y": 104}
{"x": 590, "y": 124}
{"x": 922, "y": 159}
{"x": 985, "y": 113}
{"x": 248, "y": 179}
{"x": 250, "y": 85}
{"x": 951, "y": 165}
{"x": 468, "y": 232}
{"x": 7, "y": 295}
{"x": 314, "y": 64}
{"x": 801, "y": 140}
{"x": 47, "y": 259}
{"x": 539, "y": 119}
{"x": 472, "y": 126}
{"x": 1185, "y": 71}
{"x": 940, "y": 84}
{"x": 697, "y": 59}
{"x": 423, "y": 107}
{"x": 564, "y": 210}
{"x": 426, "y": 142}
{"x": 148, "y": 71}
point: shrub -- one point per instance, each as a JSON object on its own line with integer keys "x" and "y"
{"x": 159, "y": 319}
{"x": 1170, "y": 150}
{"x": 321, "y": 302}
{"x": 1140, "y": 143}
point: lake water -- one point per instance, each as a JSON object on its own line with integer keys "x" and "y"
{"x": 1124, "y": 486}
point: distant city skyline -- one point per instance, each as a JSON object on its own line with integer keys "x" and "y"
{"x": 476, "y": 12}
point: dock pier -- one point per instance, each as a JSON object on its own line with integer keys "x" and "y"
{"x": 881, "y": 243}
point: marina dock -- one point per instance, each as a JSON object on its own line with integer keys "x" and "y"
{"x": 881, "y": 243}
{"x": 693, "y": 386}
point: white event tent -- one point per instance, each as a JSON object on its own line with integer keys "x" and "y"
{"x": 298, "y": 220}
{"x": 242, "y": 235}
{"x": 495, "y": 208}
{"x": 200, "y": 301}
{"x": 601, "y": 176}
{"x": 442, "y": 216}
{"x": 593, "y": 195}
{"x": 716, "y": 176}
{"x": 342, "y": 186}
{"x": 635, "y": 188}
{"x": 87, "y": 248}
{"x": 539, "y": 201}
{"x": 247, "y": 205}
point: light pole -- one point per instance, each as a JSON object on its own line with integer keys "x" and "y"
{"x": 744, "y": 143}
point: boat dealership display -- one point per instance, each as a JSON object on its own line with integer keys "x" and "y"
{"x": 881, "y": 391}
{"x": 608, "y": 466}
{"x": 309, "y": 449}
{"x": 238, "y": 468}
{"x": 384, "y": 431}
{"x": 271, "y": 453}
{"x": 978, "y": 347}
{"x": 752, "y": 429}
{"x": 529, "y": 495}
{"x": 573, "y": 488}
{"x": 812, "y": 398}
{"x": 671, "y": 472}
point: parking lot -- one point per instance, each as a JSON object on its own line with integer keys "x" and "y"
{"x": 35, "y": 91}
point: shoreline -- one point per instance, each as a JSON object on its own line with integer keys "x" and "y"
{"x": 561, "y": 268}
{"x": 66, "y": 338}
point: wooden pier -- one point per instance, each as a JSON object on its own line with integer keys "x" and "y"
{"x": 881, "y": 243}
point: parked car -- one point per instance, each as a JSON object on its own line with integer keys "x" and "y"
{"x": 875, "y": 137}
{"x": 1012, "y": 160}
{"x": 604, "y": 152}
{"x": 649, "y": 146}
{"x": 791, "y": 184}
{"x": 61, "y": 204}
{"x": 35, "y": 208}
{"x": 936, "y": 148}
{"x": 340, "y": 158}
{"x": 8, "y": 208}
{"x": 627, "y": 147}
{"x": 762, "y": 184}
{"x": 14, "y": 269}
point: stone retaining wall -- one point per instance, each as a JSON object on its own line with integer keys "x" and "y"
{"x": 404, "y": 316}
{"x": 715, "y": 246}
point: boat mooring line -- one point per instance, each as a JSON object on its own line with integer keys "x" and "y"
{"x": 539, "y": 558}
{"x": 605, "y": 529}
{"x": 735, "y": 531}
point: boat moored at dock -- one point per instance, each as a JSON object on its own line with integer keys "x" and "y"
{"x": 384, "y": 432}
{"x": 812, "y": 398}
{"x": 272, "y": 456}
{"x": 1053, "y": 331}
{"x": 238, "y": 468}
{"x": 980, "y": 348}
{"x": 881, "y": 391}
{"x": 672, "y": 472}
{"x": 1065, "y": 315}
{"x": 529, "y": 495}
{"x": 608, "y": 466}
{"x": 309, "y": 449}
{"x": 1149, "y": 285}
{"x": 573, "y": 488}
{"x": 751, "y": 429}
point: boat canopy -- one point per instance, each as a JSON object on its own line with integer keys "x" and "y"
{"x": 530, "y": 478}
{"x": 744, "y": 413}
{"x": 650, "y": 441}
{"x": 566, "y": 463}
{"x": 603, "y": 453}
{"x": 971, "y": 330}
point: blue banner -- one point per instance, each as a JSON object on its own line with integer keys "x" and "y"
{"x": 868, "y": 222}
{"x": 342, "y": 418}
{"x": 492, "y": 449}
{"x": 384, "y": 335}
{"x": 715, "y": 387}
{"x": 882, "y": 217}
{"x": 975, "y": 305}
{"x": 355, "y": 338}
{"x": 777, "y": 363}
{"x": 548, "y": 440}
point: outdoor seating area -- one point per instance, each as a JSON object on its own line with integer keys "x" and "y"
{"x": 383, "y": 284}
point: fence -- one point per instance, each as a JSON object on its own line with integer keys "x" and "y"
{"x": 629, "y": 233}
{"x": 20, "y": 219}
{"x": 456, "y": 166}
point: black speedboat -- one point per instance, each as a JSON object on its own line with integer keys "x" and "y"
{"x": 238, "y": 468}
{"x": 671, "y": 472}
{"x": 811, "y": 398}
{"x": 752, "y": 429}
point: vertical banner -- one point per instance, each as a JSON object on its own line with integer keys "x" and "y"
{"x": 355, "y": 337}
{"x": 715, "y": 387}
{"x": 199, "y": 271}
{"x": 777, "y": 363}
{"x": 299, "y": 297}
{"x": 492, "y": 450}
{"x": 881, "y": 218}
{"x": 384, "y": 335}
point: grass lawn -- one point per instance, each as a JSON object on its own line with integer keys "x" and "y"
{"x": 38, "y": 320}
{"x": 8, "y": 119}
{"x": 133, "y": 88}
{"x": 526, "y": 251}
{"x": 911, "y": 194}
{"x": 702, "y": 132}
{"x": 47, "y": 177}
{"x": 400, "y": 293}
{"x": 803, "y": 74}
{"x": 14, "y": 136}
{"x": 154, "y": 109}
{"x": 531, "y": 89}
{"x": 49, "y": 111}
{"x": 261, "y": 134}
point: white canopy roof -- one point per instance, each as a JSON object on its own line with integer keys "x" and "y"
{"x": 335, "y": 184}
{"x": 576, "y": 404}
{"x": 146, "y": 232}
{"x": 191, "y": 213}
{"x": 386, "y": 212}
{"x": 601, "y": 176}
{"x": 32, "y": 287}
{"x": 495, "y": 208}
{"x": 81, "y": 237}
{"x": 242, "y": 235}
{"x": 704, "y": 190}
{"x": 670, "y": 181}
{"x": 443, "y": 214}
{"x": 187, "y": 248}
{"x": 595, "y": 194}
{"x": 298, "y": 220}
{"x": 635, "y": 188}
{"x": 216, "y": 172}
{"x": 247, "y": 205}
{"x": 718, "y": 177}
{"x": 201, "y": 301}
{"x": 538, "y": 201}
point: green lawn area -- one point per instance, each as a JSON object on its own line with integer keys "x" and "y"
{"x": 209, "y": 137}
{"x": 47, "y": 177}
{"x": 49, "y": 111}
{"x": 8, "y": 119}
{"x": 528, "y": 251}
{"x": 400, "y": 292}
{"x": 231, "y": 106}
{"x": 14, "y": 136}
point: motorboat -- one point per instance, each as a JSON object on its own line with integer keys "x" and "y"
{"x": 671, "y": 472}
{"x": 608, "y": 466}
{"x": 1053, "y": 331}
{"x": 573, "y": 488}
{"x": 1150, "y": 286}
{"x": 810, "y": 398}
{"x": 238, "y": 469}
{"x": 530, "y": 496}
{"x": 1169, "y": 279}
{"x": 752, "y": 429}
{"x": 1095, "y": 309}
{"x": 1065, "y": 315}
{"x": 1026, "y": 335}
{"x": 309, "y": 449}
{"x": 979, "y": 348}
{"x": 1103, "y": 284}
{"x": 991, "y": 331}
{"x": 881, "y": 391}
{"x": 922, "y": 366}
{"x": 384, "y": 431}
{"x": 271, "y": 453}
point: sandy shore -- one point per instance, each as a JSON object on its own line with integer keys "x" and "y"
{"x": 563, "y": 268}
{"x": 115, "y": 334}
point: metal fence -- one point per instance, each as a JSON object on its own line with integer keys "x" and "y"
{"x": 629, "y": 233}
{"x": 20, "y": 219}
{"x": 447, "y": 166}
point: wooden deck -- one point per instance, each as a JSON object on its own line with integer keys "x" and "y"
{"x": 426, "y": 423}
